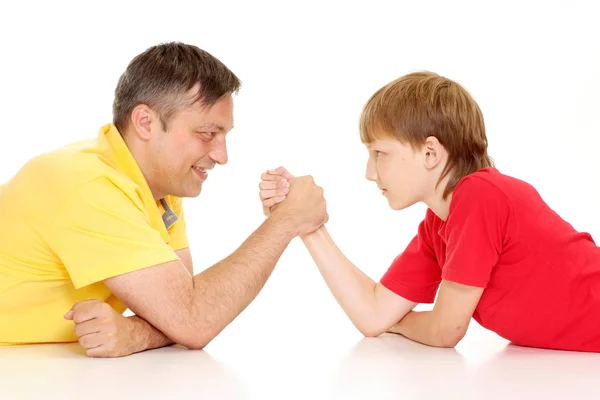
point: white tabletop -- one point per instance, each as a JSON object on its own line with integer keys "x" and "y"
{"x": 301, "y": 363}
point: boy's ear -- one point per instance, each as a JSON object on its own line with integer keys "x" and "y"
{"x": 433, "y": 150}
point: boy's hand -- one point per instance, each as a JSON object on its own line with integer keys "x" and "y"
{"x": 274, "y": 187}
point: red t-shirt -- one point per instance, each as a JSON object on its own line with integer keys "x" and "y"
{"x": 541, "y": 276}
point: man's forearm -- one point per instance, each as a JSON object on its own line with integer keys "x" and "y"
{"x": 422, "y": 327}
{"x": 352, "y": 288}
{"x": 144, "y": 336}
{"x": 224, "y": 290}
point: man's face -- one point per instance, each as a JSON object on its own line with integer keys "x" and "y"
{"x": 192, "y": 144}
{"x": 399, "y": 172}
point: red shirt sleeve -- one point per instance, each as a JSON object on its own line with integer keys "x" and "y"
{"x": 474, "y": 231}
{"x": 415, "y": 274}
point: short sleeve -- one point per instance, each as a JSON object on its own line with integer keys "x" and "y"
{"x": 101, "y": 232}
{"x": 474, "y": 232}
{"x": 415, "y": 274}
{"x": 178, "y": 231}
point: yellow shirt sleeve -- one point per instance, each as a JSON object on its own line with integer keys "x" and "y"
{"x": 103, "y": 231}
{"x": 178, "y": 232}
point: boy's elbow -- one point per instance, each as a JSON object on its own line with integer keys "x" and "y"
{"x": 450, "y": 337}
{"x": 370, "y": 329}
{"x": 370, "y": 332}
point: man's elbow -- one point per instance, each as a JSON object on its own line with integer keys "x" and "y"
{"x": 194, "y": 342}
{"x": 192, "y": 337}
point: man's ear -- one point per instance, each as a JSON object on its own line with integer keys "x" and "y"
{"x": 141, "y": 121}
{"x": 434, "y": 152}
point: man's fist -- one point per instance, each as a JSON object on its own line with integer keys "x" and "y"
{"x": 101, "y": 330}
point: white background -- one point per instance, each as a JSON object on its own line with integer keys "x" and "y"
{"x": 307, "y": 69}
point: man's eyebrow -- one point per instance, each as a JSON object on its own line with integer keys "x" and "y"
{"x": 212, "y": 125}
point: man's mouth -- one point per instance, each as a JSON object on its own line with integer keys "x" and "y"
{"x": 200, "y": 172}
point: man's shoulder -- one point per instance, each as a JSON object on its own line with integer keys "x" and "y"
{"x": 50, "y": 180}
{"x": 74, "y": 166}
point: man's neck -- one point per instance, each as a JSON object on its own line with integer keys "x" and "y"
{"x": 144, "y": 163}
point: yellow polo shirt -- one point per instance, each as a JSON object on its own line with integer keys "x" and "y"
{"x": 69, "y": 219}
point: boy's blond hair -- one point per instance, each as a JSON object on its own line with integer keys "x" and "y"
{"x": 422, "y": 104}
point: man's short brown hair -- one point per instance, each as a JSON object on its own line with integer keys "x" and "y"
{"x": 162, "y": 75}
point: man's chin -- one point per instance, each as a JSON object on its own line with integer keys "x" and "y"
{"x": 188, "y": 193}
{"x": 194, "y": 193}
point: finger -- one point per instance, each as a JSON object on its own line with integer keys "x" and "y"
{"x": 97, "y": 352}
{"x": 281, "y": 171}
{"x": 78, "y": 305}
{"x": 272, "y": 201}
{"x": 281, "y": 183}
{"x": 267, "y": 194}
{"x": 87, "y": 328}
{"x": 85, "y": 304}
{"x": 92, "y": 340}
{"x": 271, "y": 177}
{"x": 85, "y": 314}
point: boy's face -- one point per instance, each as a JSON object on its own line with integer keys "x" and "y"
{"x": 399, "y": 171}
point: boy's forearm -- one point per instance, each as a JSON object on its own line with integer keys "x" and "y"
{"x": 352, "y": 288}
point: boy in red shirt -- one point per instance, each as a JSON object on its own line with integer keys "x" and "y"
{"x": 489, "y": 246}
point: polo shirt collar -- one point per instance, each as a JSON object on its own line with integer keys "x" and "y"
{"x": 109, "y": 136}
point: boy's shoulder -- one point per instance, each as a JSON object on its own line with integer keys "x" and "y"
{"x": 490, "y": 181}
{"x": 488, "y": 192}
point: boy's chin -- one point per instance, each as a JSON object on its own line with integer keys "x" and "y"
{"x": 399, "y": 205}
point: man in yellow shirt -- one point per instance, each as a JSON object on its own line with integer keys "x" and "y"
{"x": 97, "y": 227}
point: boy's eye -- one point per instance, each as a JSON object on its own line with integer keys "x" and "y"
{"x": 378, "y": 154}
{"x": 207, "y": 135}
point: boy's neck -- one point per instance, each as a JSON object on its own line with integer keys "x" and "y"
{"x": 440, "y": 207}
{"x": 436, "y": 202}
